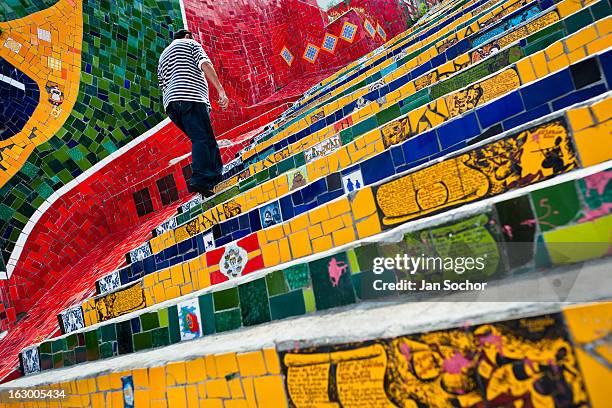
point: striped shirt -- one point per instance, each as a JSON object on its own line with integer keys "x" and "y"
{"x": 179, "y": 74}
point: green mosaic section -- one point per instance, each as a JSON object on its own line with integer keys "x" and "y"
{"x": 119, "y": 99}
{"x": 14, "y": 9}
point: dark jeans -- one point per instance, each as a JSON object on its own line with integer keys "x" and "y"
{"x": 193, "y": 119}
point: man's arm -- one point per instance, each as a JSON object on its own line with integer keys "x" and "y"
{"x": 211, "y": 75}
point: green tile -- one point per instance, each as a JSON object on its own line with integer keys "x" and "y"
{"x": 143, "y": 341}
{"x": 160, "y": 337}
{"x": 72, "y": 341}
{"x": 578, "y": 20}
{"x": 287, "y": 305}
{"x": 46, "y": 346}
{"x": 254, "y": 305}
{"x": 346, "y": 136}
{"x": 352, "y": 257}
{"x": 276, "y": 283}
{"x": 108, "y": 332}
{"x": 225, "y": 299}
{"x": 297, "y": 276}
{"x": 228, "y": 320}
{"x": 207, "y": 313}
{"x": 58, "y": 345}
{"x": 331, "y": 281}
{"x": 149, "y": 321}
{"x": 556, "y": 206}
{"x": 286, "y": 165}
{"x": 91, "y": 344}
{"x": 58, "y": 360}
{"x": 300, "y": 159}
{"x": 174, "y": 326}
{"x": 365, "y": 256}
{"x": 388, "y": 114}
{"x": 106, "y": 350}
{"x": 365, "y": 126}
{"x": 163, "y": 317}
{"x": 309, "y": 300}
{"x": 601, "y": 9}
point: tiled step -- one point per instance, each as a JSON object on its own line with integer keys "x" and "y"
{"x": 187, "y": 241}
{"x": 297, "y": 362}
{"x": 552, "y": 130}
{"x": 485, "y": 66}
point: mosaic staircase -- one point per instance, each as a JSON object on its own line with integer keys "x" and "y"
{"x": 482, "y": 131}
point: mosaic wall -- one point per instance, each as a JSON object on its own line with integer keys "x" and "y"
{"x": 91, "y": 91}
{"x": 541, "y": 361}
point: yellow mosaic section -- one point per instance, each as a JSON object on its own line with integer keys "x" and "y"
{"x": 370, "y": 210}
{"x": 231, "y": 380}
{"x": 584, "y": 42}
{"x": 46, "y": 46}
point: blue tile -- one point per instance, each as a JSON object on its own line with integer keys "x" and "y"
{"x": 459, "y": 130}
{"x": 149, "y": 265}
{"x": 377, "y": 168}
{"x": 171, "y": 251}
{"x": 135, "y": 322}
{"x": 525, "y": 117}
{"x": 547, "y": 89}
{"x": 243, "y": 221}
{"x": 605, "y": 61}
{"x": 327, "y": 197}
{"x": 286, "y": 207}
{"x": 240, "y": 234}
{"x": 397, "y": 154}
{"x": 226, "y": 239}
{"x": 184, "y": 246}
{"x": 578, "y": 96}
{"x": 423, "y": 145}
{"x": 500, "y": 109}
{"x": 254, "y": 220}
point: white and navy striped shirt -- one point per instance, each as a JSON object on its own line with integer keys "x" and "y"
{"x": 179, "y": 73}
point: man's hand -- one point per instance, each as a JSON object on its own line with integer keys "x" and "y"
{"x": 223, "y": 99}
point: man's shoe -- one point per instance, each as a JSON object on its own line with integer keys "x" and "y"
{"x": 204, "y": 192}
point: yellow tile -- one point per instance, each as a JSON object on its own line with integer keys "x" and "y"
{"x": 598, "y": 45}
{"x": 115, "y": 380}
{"x": 235, "y": 387}
{"x": 594, "y": 144}
{"x": 270, "y": 391}
{"x": 332, "y": 225}
{"x": 604, "y": 26}
{"x": 538, "y": 60}
{"x": 175, "y": 373}
{"x": 271, "y": 254}
{"x": 211, "y": 403}
{"x": 217, "y": 388}
{"x": 339, "y": 207}
{"x": 196, "y": 370}
{"x": 192, "y": 395}
{"x": 157, "y": 382}
{"x": 576, "y": 55}
{"x": 236, "y": 404}
{"x": 285, "y": 251}
{"x": 97, "y": 401}
{"x": 315, "y": 231}
{"x": 558, "y": 63}
{"x": 318, "y": 215}
{"x": 568, "y": 7}
{"x": 272, "y": 360}
{"x": 117, "y": 398}
{"x": 141, "y": 398}
{"x": 580, "y": 118}
{"x": 274, "y": 233}
{"x": 82, "y": 387}
{"x": 103, "y": 382}
{"x": 173, "y": 292}
{"x": 299, "y": 223}
{"x": 226, "y": 364}
{"x": 149, "y": 280}
{"x": 525, "y": 70}
{"x": 602, "y": 110}
{"x": 202, "y": 390}
{"x": 140, "y": 377}
{"x": 554, "y": 50}
{"x": 363, "y": 203}
{"x": 368, "y": 227}
{"x": 211, "y": 366}
{"x": 581, "y": 38}
{"x": 176, "y": 397}
{"x": 251, "y": 364}
{"x": 344, "y": 236}
{"x": 300, "y": 244}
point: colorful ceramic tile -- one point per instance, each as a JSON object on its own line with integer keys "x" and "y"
{"x": 352, "y": 181}
{"x": 331, "y": 281}
{"x": 254, "y": 305}
{"x": 108, "y": 283}
{"x": 233, "y": 261}
{"x": 209, "y": 241}
{"x": 323, "y": 148}
{"x": 189, "y": 319}
{"x": 297, "y": 178}
{"x": 71, "y": 319}
{"x": 270, "y": 214}
{"x": 30, "y": 360}
{"x": 140, "y": 253}
{"x": 127, "y": 385}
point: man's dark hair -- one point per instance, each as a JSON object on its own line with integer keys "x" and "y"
{"x": 182, "y": 33}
